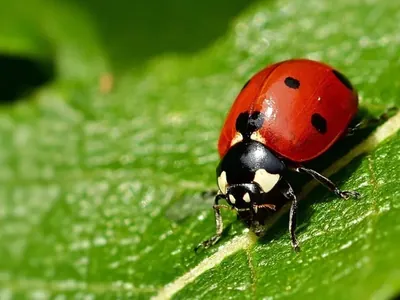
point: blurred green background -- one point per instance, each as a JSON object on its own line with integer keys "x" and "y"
{"x": 129, "y": 33}
{"x": 109, "y": 117}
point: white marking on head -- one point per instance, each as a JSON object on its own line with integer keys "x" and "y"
{"x": 246, "y": 197}
{"x": 256, "y": 136}
{"x": 222, "y": 182}
{"x": 266, "y": 180}
{"x": 237, "y": 138}
{"x": 319, "y": 98}
{"x": 232, "y": 199}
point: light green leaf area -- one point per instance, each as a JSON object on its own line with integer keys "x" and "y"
{"x": 350, "y": 249}
{"x": 100, "y": 192}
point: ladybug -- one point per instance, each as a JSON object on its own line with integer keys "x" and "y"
{"x": 287, "y": 114}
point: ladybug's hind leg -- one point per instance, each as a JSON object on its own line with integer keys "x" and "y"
{"x": 287, "y": 191}
{"x": 326, "y": 182}
{"x": 366, "y": 123}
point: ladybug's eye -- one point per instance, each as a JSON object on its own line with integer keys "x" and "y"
{"x": 246, "y": 198}
{"x": 232, "y": 199}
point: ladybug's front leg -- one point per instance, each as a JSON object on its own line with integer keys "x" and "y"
{"x": 218, "y": 224}
{"x": 289, "y": 194}
{"x": 326, "y": 182}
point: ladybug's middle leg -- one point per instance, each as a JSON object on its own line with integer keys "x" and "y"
{"x": 366, "y": 123}
{"x": 326, "y": 182}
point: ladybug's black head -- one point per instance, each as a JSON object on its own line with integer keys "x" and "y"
{"x": 246, "y": 171}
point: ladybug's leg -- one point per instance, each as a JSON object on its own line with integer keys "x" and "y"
{"x": 218, "y": 224}
{"x": 372, "y": 121}
{"x": 289, "y": 194}
{"x": 328, "y": 183}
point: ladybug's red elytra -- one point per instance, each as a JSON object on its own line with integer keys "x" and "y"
{"x": 287, "y": 114}
{"x": 303, "y": 107}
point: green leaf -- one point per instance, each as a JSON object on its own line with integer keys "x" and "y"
{"x": 101, "y": 189}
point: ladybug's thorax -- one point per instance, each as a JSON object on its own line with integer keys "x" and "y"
{"x": 247, "y": 169}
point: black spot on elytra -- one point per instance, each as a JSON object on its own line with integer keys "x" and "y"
{"x": 241, "y": 122}
{"x": 292, "y": 82}
{"x": 343, "y": 79}
{"x": 248, "y": 81}
{"x": 319, "y": 123}
{"x": 246, "y": 124}
{"x": 256, "y": 121}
